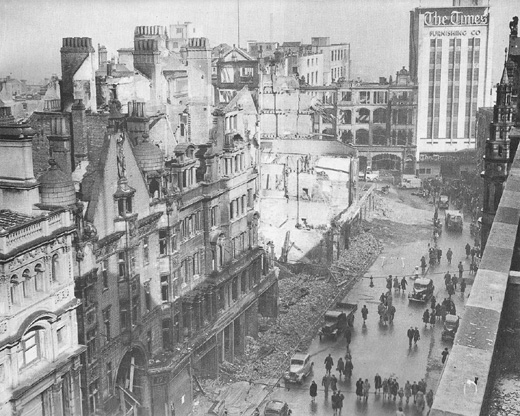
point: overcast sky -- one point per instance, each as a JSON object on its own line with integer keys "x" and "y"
{"x": 378, "y": 30}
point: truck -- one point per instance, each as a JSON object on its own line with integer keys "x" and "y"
{"x": 338, "y": 319}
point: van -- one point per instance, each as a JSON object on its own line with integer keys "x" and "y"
{"x": 410, "y": 182}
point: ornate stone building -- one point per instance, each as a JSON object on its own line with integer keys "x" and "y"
{"x": 39, "y": 349}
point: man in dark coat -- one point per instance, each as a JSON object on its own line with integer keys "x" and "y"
{"x": 313, "y": 390}
{"x": 364, "y": 313}
{"x": 461, "y": 269}
{"x": 449, "y": 255}
{"x": 468, "y": 250}
{"x": 359, "y": 388}
{"x": 416, "y": 336}
{"x": 329, "y": 362}
{"x": 444, "y": 355}
{"x": 410, "y": 334}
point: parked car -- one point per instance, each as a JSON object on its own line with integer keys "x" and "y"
{"x": 422, "y": 290}
{"x": 369, "y": 175}
{"x": 337, "y": 320}
{"x": 300, "y": 367}
{"x": 277, "y": 408}
{"x": 451, "y": 325}
{"x": 454, "y": 221}
{"x": 410, "y": 182}
{"x": 444, "y": 202}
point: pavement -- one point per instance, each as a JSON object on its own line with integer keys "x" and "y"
{"x": 377, "y": 348}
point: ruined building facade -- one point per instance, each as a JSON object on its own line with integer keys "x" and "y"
{"x": 167, "y": 261}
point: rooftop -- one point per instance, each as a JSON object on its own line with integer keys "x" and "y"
{"x": 11, "y": 219}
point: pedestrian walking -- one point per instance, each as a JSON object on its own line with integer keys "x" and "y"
{"x": 422, "y": 386}
{"x": 334, "y": 400}
{"x": 325, "y": 382}
{"x": 423, "y": 264}
{"x": 472, "y": 252}
{"x": 463, "y": 286}
{"x": 333, "y": 383}
{"x": 461, "y": 269}
{"x": 410, "y": 333}
{"x": 391, "y": 314}
{"x": 394, "y": 388}
{"x": 444, "y": 312}
{"x": 364, "y": 313}
{"x": 348, "y": 368}
{"x": 447, "y": 279}
{"x": 426, "y": 317}
{"x": 404, "y": 283}
{"x": 381, "y": 309}
{"x": 382, "y": 298}
{"x": 432, "y": 318}
{"x": 366, "y": 389}
{"x": 415, "y": 389}
{"x": 468, "y": 250}
{"x": 397, "y": 285}
{"x": 340, "y": 367}
{"x": 339, "y": 401}
{"x": 400, "y": 393}
{"x": 433, "y": 302}
{"x": 438, "y": 311}
{"x": 451, "y": 290}
{"x": 416, "y": 336}
{"x": 313, "y": 390}
{"x": 420, "y": 400}
{"x": 359, "y": 388}
{"x": 439, "y": 255}
{"x": 385, "y": 388}
{"x": 329, "y": 362}
{"x": 389, "y": 282}
{"x": 377, "y": 383}
{"x": 348, "y": 336}
{"x": 399, "y": 412}
{"x": 429, "y": 399}
{"x": 445, "y": 354}
{"x": 454, "y": 281}
{"x": 407, "y": 391}
{"x": 449, "y": 255}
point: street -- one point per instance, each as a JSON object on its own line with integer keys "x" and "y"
{"x": 377, "y": 348}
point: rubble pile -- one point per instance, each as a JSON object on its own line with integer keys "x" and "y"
{"x": 304, "y": 299}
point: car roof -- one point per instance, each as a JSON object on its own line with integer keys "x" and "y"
{"x": 275, "y": 405}
{"x": 452, "y": 318}
{"x": 423, "y": 281}
{"x": 299, "y": 356}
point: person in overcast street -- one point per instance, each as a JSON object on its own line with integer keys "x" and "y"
{"x": 313, "y": 390}
{"x": 339, "y": 401}
{"x": 333, "y": 383}
{"x": 461, "y": 269}
{"x": 366, "y": 389}
{"x": 404, "y": 283}
{"x": 325, "y": 382}
{"x": 468, "y": 250}
{"x": 364, "y": 313}
{"x": 463, "y": 286}
{"x": 432, "y": 318}
{"x": 359, "y": 388}
{"x": 340, "y": 367}
{"x": 385, "y": 388}
{"x": 426, "y": 317}
{"x": 415, "y": 389}
{"x": 416, "y": 336}
{"x": 454, "y": 281}
{"x": 377, "y": 383}
{"x": 449, "y": 255}
{"x": 329, "y": 362}
{"x": 410, "y": 334}
{"x": 397, "y": 285}
{"x": 407, "y": 391}
{"x": 445, "y": 354}
{"x": 447, "y": 279}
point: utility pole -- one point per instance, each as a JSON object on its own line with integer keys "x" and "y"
{"x": 298, "y": 193}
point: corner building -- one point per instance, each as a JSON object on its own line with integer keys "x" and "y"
{"x": 450, "y": 61}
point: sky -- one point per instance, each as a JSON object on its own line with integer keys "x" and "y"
{"x": 377, "y": 30}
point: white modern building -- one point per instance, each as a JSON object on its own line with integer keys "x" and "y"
{"x": 450, "y": 61}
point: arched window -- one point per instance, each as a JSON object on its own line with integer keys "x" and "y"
{"x": 30, "y": 349}
{"x": 55, "y": 268}
{"x": 38, "y": 277}
{"x": 380, "y": 115}
{"x": 13, "y": 288}
{"x": 346, "y": 136}
{"x": 26, "y": 277}
{"x": 379, "y": 136}
{"x": 363, "y": 116}
{"x": 154, "y": 188}
{"x": 362, "y": 136}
